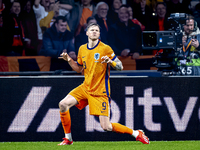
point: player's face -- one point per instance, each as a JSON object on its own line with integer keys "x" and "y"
{"x": 93, "y": 33}
{"x": 61, "y": 26}
{"x": 189, "y": 27}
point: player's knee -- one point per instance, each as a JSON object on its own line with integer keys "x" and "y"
{"x": 63, "y": 106}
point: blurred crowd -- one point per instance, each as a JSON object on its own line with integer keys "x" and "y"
{"x": 50, "y": 27}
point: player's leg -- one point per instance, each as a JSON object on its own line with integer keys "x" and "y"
{"x": 100, "y": 105}
{"x": 105, "y": 123}
{"x": 76, "y": 97}
{"x": 64, "y": 106}
{"x": 119, "y": 128}
{"x": 115, "y": 127}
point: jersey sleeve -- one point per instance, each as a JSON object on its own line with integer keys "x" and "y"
{"x": 110, "y": 53}
{"x": 79, "y": 58}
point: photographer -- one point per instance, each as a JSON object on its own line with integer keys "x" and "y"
{"x": 191, "y": 39}
{"x": 189, "y": 60}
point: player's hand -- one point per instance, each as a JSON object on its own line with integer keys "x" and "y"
{"x": 72, "y": 55}
{"x": 106, "y": 59}
{"x": 65, "y": 56}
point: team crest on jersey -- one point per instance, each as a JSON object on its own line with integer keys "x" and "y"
{"x": 96, "y": 56}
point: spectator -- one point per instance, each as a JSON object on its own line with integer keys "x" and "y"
{"x": 53, "y": 12}
{"x": 1, "y": 20}
{"x": 82, "y": 38}
{"x": 79, "y": 14}
{"x": 15, "y": 37}
{"x": 135, "y": 5}
{"x": 2, "y": 39}
{"x": 41, "y": 11}
{"x": 196, "y": 14}
{"x": 2, "y": 6}
{"x": 65, "y": 6}
{"x": 106, "y": 1}
{"x": 160, "y": 22}
{"x": 102, "y": 20}
{"x": 152, "y": 4}
{"x": 191, "y": 39}
{"x": 144, "y": 14}
{"x": 134, "y": 19}
{"x": 175, "y": 6}
{"x": 2, "y": 31}
{"x": 113, "y": 12}
{"x": 55, "y": 8}
{"x": 30, "y": 29}
{"x": 58, "y": 39}
{"x": 125, "y": 37}
{"x": 5, "y": 6}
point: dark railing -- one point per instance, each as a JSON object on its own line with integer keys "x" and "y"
{"x": 149, "y": 73}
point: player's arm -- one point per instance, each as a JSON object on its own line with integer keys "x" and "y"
{"x": 116, "y": 63}
{"x": 71, "y": 62}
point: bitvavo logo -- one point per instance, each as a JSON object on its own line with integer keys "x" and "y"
{"x": 37, "y": 96}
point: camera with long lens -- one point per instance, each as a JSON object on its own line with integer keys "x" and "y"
{"x": 170, "y": 41}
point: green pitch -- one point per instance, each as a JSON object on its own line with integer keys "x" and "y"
{"x": 154, "y": 145}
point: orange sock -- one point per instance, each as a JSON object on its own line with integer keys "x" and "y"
{"x": 121, "y": 128}
{"x": 66, "y": 121}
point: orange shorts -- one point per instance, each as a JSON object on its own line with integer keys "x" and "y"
{"x": 98, "y": 105}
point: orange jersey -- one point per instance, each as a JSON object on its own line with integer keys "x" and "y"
{"x": 96, "y": 73}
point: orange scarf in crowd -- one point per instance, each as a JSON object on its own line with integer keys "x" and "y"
{"x": 17, "y": 37}
{"x": 85, "y": 15}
